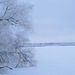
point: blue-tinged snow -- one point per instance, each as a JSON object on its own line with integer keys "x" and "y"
{"x": 51, "y": 61}
{"x": 53, "y": 20}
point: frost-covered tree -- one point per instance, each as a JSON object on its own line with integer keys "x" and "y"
{"x": 14, "y": 29}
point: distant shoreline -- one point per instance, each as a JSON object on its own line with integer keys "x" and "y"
{"x": 49, "y": 44}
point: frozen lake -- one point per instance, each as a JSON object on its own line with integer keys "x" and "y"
{"x": 56, "y": 60}
{"x": 51, "y": 61}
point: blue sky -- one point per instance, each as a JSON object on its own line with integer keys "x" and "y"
{"x": 53, "y": 20}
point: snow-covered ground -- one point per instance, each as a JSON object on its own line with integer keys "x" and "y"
{"x": 51, "y": 61}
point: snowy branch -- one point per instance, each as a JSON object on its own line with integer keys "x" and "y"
{"x": 6, "y": 67}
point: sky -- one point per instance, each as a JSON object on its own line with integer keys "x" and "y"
{"x": 53, "y": 20}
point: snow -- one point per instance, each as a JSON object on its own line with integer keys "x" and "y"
{"x": 51, "y": 61}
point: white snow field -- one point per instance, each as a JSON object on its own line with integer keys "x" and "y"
{"x": 51, "y": 61}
